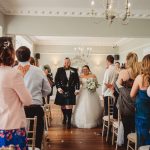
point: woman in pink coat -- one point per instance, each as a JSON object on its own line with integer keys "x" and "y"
{"x": 13, "y": 97}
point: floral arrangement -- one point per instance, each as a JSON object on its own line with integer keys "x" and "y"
{"x": 92, "y": 84}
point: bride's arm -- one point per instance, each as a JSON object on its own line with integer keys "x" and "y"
{"x": 95, "y": 78}
{"x": 81, "y": 76}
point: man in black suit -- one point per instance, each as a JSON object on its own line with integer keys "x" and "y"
{"x": 67, "y": 84}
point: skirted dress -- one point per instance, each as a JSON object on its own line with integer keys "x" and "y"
{"x": 142, "y": 118}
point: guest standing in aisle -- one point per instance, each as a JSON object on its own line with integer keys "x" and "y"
{"x": 38, "y": 85}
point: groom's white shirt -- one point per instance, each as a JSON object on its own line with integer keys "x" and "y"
{"x": 68, "y": 76}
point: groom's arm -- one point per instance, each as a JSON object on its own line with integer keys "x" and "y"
{"x": 57, "y": 81}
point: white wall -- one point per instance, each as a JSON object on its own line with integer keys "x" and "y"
{"x": 76, "y": 26}
{"x": 95, "y": 61}
{"x": 141, "y": 46}
{"x": 2, "y": 24}
{"x": 1, "y": 31}
{"x": 24, "y": 41}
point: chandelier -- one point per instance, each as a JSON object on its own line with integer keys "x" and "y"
{"x": 111, "y": 14}
{"x": 82, "y": 52}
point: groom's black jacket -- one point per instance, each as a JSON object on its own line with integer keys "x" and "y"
{"x": 67, "y": 85}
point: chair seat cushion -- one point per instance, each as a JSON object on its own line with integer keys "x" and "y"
{"x": 116, "y": 124}
{"x": 30, "y": 148}
{"x": 132, "y": 137}
{"x": 146, "y": 147}
{"x": 106, "y": 118}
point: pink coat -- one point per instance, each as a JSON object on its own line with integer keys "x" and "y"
{"x": 13, "y": 97}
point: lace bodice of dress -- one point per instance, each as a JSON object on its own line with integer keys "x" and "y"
{"x": 83, "y": 82}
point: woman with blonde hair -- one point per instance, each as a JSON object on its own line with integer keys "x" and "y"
{"x": 124, "y": 83}
{"x": 142, "y": 115}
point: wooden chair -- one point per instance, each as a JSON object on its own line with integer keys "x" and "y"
{"x": 115, "y": 127}
{"x": 47, "y": 116}
{"x": 31, "y": 132}
{"x": 47, "y": 120}
{"x": 132, "y": 140}
{"x": 146, "y": 147}
{"x": 107, "y": 120}
{"x": 46, "y": 140}
{"x": 11, "y": 147}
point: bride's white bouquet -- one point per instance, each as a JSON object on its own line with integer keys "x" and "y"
{"x": 92, "y": 84}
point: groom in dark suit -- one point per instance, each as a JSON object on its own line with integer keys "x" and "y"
{"x": 67, "y": 84}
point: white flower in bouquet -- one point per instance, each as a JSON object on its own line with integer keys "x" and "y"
{"x": 92, "y": 84}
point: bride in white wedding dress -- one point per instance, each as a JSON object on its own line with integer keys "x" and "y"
{"x": 88, "y": 110}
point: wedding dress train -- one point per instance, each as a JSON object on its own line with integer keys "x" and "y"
{"x": 88, "y": 110}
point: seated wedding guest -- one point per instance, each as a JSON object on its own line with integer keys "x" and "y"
{"x": 47, "y": 71}
{"x": 13, "y": 97}
{"x": 126, "y": 104}
{"x": 38, "y": 85}
{"x": 142, "y": 103}
{"x": 109, "y": 77}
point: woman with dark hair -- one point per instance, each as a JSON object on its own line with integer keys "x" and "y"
{"x": 38, "y": 85}
{"x": 87, "y": 112}
{"x": 13, "y": 96}
{"x": 142, "y": 103}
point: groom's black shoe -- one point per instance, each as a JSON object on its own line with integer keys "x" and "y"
{"x": 64, "y": 121}
{"x": 69, "y": 126}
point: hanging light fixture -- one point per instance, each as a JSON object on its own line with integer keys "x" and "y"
{"x": 83, "y": 52}
{"x": 92, "y": 3}
{"x": 111, "y": 14}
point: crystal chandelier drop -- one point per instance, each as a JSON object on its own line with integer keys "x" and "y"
{"x": 111, "y": 14}
{"x": 82, "y": 52}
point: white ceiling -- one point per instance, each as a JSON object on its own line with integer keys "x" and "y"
{"x": 82, "y": 8}
{"x": 73, "y": 8}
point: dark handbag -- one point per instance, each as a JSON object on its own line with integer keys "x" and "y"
{"x": 126, "y": 104}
